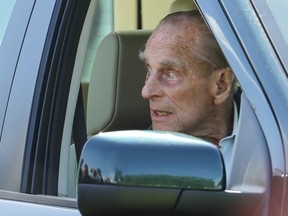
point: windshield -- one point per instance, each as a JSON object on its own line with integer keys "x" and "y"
{"x": 6, "y": 8}
{"x": 274, "y": 16}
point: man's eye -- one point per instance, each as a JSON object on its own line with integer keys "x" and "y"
{"x": 171, "y": 75}
{"x": 148, "y": 73}
{"x": 149, "y": 70}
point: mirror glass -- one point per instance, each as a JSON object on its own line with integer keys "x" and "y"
{"x": 151, "y": 159}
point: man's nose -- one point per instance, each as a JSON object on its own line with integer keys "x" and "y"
{"x": 152, "y": 87}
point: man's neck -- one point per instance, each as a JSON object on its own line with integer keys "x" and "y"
{"x": 222, "y": 126}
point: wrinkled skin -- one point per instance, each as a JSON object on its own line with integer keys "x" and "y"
{"x": 182, "y": 92}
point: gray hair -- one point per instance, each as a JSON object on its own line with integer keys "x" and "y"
{"x": 206, "y": 48}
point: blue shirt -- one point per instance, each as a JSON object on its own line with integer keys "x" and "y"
{"x": 226, "y": 144}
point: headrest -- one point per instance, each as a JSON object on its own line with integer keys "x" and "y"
{"x": 114, "y": 96}
{"x": 182, "y": 5}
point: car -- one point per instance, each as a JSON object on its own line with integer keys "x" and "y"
{"x": 73, "y": 125}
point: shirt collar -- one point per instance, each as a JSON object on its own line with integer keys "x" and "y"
{"x": 235, "y": 125}
{"x": 235, "y": 120}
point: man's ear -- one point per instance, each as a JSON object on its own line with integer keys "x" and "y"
{"x": 221, "y": 84}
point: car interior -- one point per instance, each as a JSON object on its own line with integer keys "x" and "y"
{"x": 116, "y": 80}
{"x": 111, "y": 91}
{"x": 112, "y": 75}
{"x": 113, "y": 101}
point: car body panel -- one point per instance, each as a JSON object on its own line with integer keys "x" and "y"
{"x": 13, "y": 204}
{"x": 21, "y": 92}
{"x": 260, "y": 75}
{"x": 21, "y": 95}
{"x": 11, "y": 46}
{"x": 246, "y": 77}
{"x": 242, "y": 29}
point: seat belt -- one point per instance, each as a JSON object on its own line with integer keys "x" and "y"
{"x": 79, "y": 126}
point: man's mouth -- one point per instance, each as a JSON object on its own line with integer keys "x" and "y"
{"x": 160, "y": 119}
{"x": 162, "y": 113}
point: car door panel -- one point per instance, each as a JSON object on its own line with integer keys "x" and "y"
{"x": 257, "y": 72}
{"x": 22, "y": 90}
{"x": 10, "y": 49}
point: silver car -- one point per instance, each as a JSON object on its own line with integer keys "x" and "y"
{"x": 73, "y": 138}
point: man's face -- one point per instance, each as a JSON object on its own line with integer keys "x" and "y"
{"x": 178, "y": 93}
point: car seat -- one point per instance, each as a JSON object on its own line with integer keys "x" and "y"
{"x": 182, "y": 5}
{"x": 114, "y": 100}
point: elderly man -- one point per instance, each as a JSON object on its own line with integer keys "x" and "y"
{"x": 189, "y": 84}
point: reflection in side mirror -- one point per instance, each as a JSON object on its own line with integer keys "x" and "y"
{"x": 121, "y": 170}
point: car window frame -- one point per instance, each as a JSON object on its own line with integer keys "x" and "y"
{"x": 10, "y": 49}
{"x": 6, "y": 10}
{"x": 229, "y": 30}
{"x": 21, "y": 94}
{"x": 271, "y": 26}
{"x": 46, "y": 124}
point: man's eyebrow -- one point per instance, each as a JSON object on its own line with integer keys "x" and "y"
{"x": 172, "y": 63}
{"x": 166, "y": 63}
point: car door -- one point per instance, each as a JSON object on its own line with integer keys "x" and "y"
{"x": 261, "y": 70}
{"x": 250, "y": 34}
{"x": 37, "y": 54}
{"x": 10, "y": 48}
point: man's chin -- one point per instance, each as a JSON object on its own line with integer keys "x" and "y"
{"x": 162, "y": 127}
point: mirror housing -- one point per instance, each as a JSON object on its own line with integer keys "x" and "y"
{"x": 133, "y": 172}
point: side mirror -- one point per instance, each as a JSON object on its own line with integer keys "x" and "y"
{"x": 144, "y": 172}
